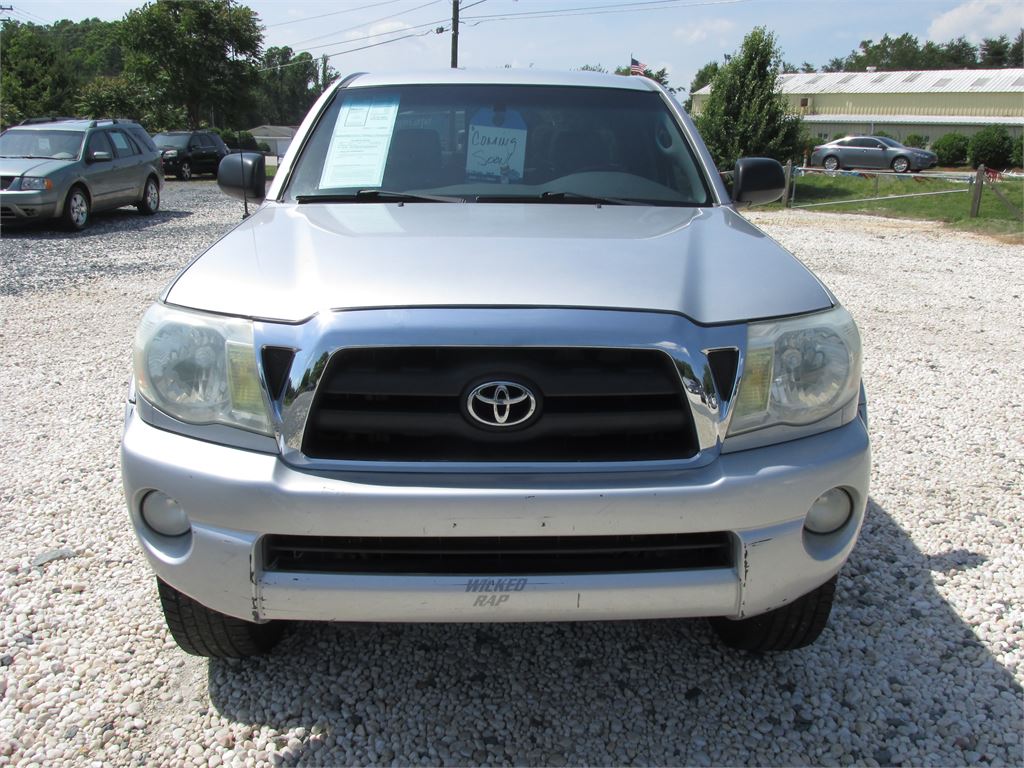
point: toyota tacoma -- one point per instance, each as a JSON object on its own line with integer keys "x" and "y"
{"x": 496, "y": 347}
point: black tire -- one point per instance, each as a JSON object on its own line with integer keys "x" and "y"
{"x": 185, "y": 170}
{"x": 784, "y": 629}
{"x": 150, "y": 202}
{"x": 204, "y": 632}
{"x": 77, "y": 209}
{"x": 901, "y": 165}
{"x": 830, "y": 163}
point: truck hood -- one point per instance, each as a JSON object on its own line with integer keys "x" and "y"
{"x": 32, "y": 166}
{"x": 288, "y": 262}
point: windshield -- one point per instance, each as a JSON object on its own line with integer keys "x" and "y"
{"x": 887, "y": 140}
{"x": 176, "y": 140}
{"x": 492, "y": 143}
{"x": 54, "y": 145}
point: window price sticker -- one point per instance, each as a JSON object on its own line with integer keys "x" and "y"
{"x": 360, "y": 142}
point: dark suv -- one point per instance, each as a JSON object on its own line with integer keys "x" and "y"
{"x": 189, "y": 152}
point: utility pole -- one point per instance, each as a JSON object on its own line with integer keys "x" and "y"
{"x": 455, "y": 34}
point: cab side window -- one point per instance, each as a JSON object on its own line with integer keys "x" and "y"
{"x": 122, "y": 146}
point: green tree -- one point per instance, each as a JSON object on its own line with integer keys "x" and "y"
{"x": 1016, "y": 56}
{"x": 35, "y": 78}
{"x": 201, "y": 55}
{"x": 705, "y": 75}
{"x": 746, "y": 114}
{"x": 125, "y": 97}
{"x": 995, "y": 52}
{"x": 287, "y": 86}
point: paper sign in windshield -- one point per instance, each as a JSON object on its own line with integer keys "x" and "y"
{"x": 497, "y": 147}
{"x": 360, "y": 143}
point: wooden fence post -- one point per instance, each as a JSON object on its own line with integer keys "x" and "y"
{"x": 785, "y": 187}
{"x": 979, "y": 184}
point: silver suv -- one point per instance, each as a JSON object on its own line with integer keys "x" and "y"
{"x": 496, "y": 346}
{"x": 66, "y": 169}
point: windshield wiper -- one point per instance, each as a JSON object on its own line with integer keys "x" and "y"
{"x": 561, "y": 196}
{"x": 373, "y": 195}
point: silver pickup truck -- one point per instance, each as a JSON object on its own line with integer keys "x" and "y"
{"x": 496, "y": 346}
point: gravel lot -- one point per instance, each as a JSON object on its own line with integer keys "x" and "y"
{"x": 922, "y": 663}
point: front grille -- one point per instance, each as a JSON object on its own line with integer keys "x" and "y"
{"x": 506, "y": 555}
{"x": 409, "y": 404}
{"x": 5, "y": 181}
{"x": 6, "y": 212}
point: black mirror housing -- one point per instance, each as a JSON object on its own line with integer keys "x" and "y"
{"x": 243, "y": 175}
{"x": 757, "y": 180}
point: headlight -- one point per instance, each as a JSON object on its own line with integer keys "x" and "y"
{"x": 797, "y": 371}
{"x": 170, "y": 153}
{"x": 200, "y": 369}
{"x": 33, "y": 182}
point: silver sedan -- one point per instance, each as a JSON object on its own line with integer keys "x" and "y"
{"x": 875, "y": 152}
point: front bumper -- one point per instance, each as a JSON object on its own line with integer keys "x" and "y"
{"x": 234, "y": 497}
{"x": 30, "y": 205}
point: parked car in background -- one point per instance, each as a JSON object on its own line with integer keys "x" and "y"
{"x": 877, "y": 152}
{"x": 186, "y": 153}
{"x": 68, "y": 168}
{"x": 496, "y": 346}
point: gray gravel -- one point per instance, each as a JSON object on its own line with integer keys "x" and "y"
{"x": 921, "y": 665}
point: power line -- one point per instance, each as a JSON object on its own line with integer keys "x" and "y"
{"x": 360, "y": 26}
{"x": 599, "y": 10}
{"x": 333, "y": 13}
{"x": 437, "y": 31}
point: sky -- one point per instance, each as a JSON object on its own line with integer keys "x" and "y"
{"x": 680, "y": 35}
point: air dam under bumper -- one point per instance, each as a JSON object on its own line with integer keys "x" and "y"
{"x": 234, "y": 497}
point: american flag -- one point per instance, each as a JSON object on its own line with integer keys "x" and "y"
{"x": 636, "y": 67}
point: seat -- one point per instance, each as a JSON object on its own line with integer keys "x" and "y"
{"x": 414, "y": 160}
{"x": 576, "y": 150}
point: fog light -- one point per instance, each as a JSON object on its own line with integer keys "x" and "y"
{"x": 164, "y": 515}
{"x": 829, "y": 512}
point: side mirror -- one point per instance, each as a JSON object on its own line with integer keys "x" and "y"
{"x": 243, "y": 175}
{"x": 757, "y": 180}
{"x": 99, "y": 157}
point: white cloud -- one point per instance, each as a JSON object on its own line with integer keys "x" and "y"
{"x": 976, "y": 19}
{"x": 702, "y": 30}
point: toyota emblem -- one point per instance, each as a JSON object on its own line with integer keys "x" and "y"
{"x": 501, "y": 404}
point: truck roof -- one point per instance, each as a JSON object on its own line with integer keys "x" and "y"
{"x": 503, "y": 77}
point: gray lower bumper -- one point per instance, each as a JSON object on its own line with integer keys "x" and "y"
{"x": 233, "y": 497}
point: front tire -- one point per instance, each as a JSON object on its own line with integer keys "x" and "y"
{"x": 784, "y": 629}
{"x": 901, "y": 165}
{"x": 77, "y": 209}
{"x": 150, "y": 202}
{"x": 185, "y": 171}
{"x": 831, "y": 163}
{"x": 204, "y": 632}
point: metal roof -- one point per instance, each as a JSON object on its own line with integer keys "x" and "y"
{"x": 908, "y": 81}
{"x": 915, "y": 119}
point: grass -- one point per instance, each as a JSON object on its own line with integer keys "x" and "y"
{"x": 271, "y": 170}
{"x": 953, "y": 209}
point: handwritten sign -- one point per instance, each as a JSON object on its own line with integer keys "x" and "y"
{"x": 496, "y": 150}
{"x": 360, "y": 142}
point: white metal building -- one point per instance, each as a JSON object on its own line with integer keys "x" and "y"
{"x": 926, "y": 102}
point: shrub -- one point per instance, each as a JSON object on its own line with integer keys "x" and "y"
{"x": 230, "y": 138}
{"x": 916, "y": 140}
{"x": 951, "y": 149}
{"x": 1016, "y": 159}
{"x": 991, "y": 147}
{"x": 838, "y": 136}
{"x": 263, "y": 147}
{"x": 246, "y": 140}
{"x": 883, "y": 134}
